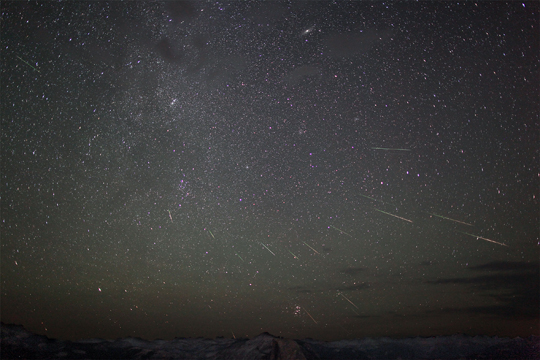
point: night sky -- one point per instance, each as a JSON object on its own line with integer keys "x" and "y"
{"x": 311, "y": 169}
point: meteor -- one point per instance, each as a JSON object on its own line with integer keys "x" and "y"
{"x": 310, "y": 316}
{"x": 341, "y": 230}
{"x": 483, "y": 238}
{"x": 368, "y": 197}
{"x": 27, "y": 63}
{"x": 346, "y": 298}
{"x": 389, "y": 149}
{"x": 447, "y": 218}
{"x": 267, "y": 248}
{"x": 399, "y": 217}
{"x": 296, "y": 257}
{"x": 310, "y": 247}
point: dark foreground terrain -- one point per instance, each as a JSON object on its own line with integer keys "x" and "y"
{"x": 17, "y": 343}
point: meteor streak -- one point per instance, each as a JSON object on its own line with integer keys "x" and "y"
{"x": 310, "y": 247}
{"x": 368, "y": 197}
{"x": 310, "y": 316}
{"x": 27, "y": 63}
{"x": 399, "y": 217}
{"x": 483, "y": 238}
{"x": 267, "y": 248}
{"x": 211, "y": 233}
{"x": 296, "y": 257}
{"x": 239, "y": 256}
{"x": 447, "y": 218}
{"x": 341, "y": 230}
{"x": 170, "y": 216}
{"x": 389, "y": 149}
{"x": 346, "y": 298}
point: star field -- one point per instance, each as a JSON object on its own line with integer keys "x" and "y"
{"x": 312, "y": 169}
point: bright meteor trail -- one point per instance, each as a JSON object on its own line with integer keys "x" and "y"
{"x": 310, "y": 247}
{"x": 447, "y": 218}
{"x": 369, "y": 197}
{"x": 341, "y": 230}
{"x": 389, "y": 149}
{"x": 310, "y": 316}
{"x": 483, "y": 238}
{"x": 27, "y": 63}
{"x": 267, "y": 248}
{"x": 399, "y": 217}
{"x": 346, "y": 298}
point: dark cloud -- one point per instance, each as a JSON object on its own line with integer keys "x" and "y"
{"x": 365, "y": 316}
{"x": 507, "y": 266}
{"x": 226, "y": 69}
{"x": 515, "y": 285}
{"x": 300, "y": 289}
{"x": 167, "y": 52}
{"x": 181, "y": 10}
{"x": 326, "y": 248}
{"x": 496, "y": 310}
{"x": 354, "y": 287}
{"x": 354, "y": 43}
{"x": 295, "y": 76}
{"x": 268, "y": 13}
{"x": 353, "y": 270}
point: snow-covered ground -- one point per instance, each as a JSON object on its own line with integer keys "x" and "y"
{"x": 17, "y": 343}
